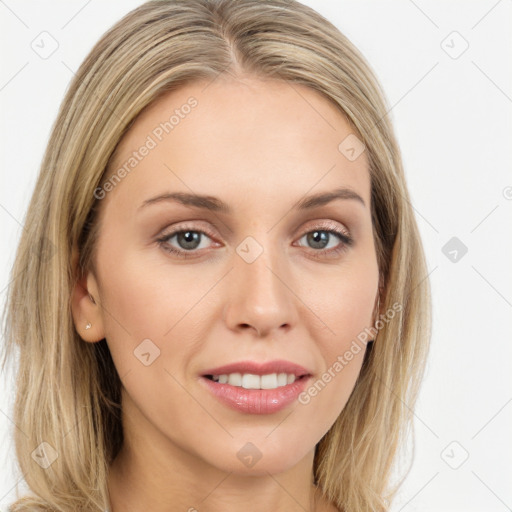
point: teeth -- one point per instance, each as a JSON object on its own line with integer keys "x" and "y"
{"x": 269, "y": 381}
{"x": 251, "y": 381}
{"x": 235, "y": 379}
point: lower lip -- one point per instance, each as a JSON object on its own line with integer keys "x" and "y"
{"x": 257, "y": 401}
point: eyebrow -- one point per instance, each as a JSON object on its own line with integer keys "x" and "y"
{"x": 216, "y": 205}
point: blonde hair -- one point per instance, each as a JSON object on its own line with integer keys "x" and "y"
{"x": 68, "y": 391}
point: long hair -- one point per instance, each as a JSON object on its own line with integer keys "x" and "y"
{"x": 68, "y": 391}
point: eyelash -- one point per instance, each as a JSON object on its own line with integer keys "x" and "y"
{"x": 346, "y": 241}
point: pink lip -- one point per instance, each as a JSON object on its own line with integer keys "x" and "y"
{"x": 278, "y": 366}
{"x": 257, "y": 401}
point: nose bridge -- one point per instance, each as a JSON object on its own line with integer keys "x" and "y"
{"x": 261, "y": 295}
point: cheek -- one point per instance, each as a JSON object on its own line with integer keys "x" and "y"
{"x": 147, "y": 298}
{"x": 345, "y": 303}
{"x": 352, "y": 307}
{"x": 345, "y": 311}
{"x": 135, "y": 300}
{"x": 148, "y": 312}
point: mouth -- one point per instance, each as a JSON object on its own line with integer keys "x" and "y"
{"x": 257, "y": 388}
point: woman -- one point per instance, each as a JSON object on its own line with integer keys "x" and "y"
{"x": 229, "y": 307}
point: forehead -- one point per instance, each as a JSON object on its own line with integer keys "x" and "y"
{"x": 258, "y": 138}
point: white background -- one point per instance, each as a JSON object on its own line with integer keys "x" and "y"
{"x": 453, "y": 122}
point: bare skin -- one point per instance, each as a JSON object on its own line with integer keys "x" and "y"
{"x": 260, "y": 147}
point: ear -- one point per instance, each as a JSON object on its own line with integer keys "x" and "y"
{"x": 85, "y": 305}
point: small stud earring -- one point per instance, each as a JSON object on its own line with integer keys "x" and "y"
{"x": 88, "y": 326}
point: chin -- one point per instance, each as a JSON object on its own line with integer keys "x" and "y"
{"x": 259, "y": 456}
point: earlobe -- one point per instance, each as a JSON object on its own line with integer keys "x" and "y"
{"x": 85, "y": 308}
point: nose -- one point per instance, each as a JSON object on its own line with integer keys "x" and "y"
{"x": 261, "y": 295}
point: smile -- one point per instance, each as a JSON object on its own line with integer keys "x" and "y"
{"x": 257, "y": 388}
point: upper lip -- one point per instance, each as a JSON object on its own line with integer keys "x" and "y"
{"x": 255, "y": 368}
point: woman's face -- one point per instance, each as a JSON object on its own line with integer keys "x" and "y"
{"x": 258, "y": 280}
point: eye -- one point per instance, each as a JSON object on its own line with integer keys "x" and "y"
{"x": 187, "y": 238}
{"x": 189, "y": 241}
{"x": 320, "y": 239}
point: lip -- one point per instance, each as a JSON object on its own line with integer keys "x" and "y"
{"x": 257, "y": 401}
{"x": 277, "y": 366}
